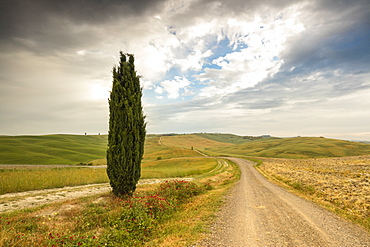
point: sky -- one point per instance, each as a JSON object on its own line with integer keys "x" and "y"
{"x": 247, "y": 67}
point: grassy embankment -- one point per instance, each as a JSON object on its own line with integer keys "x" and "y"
{"x": 158, "y": 215}
{"x": 170, "y": 214}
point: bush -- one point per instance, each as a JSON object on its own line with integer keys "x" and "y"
{"x": 136, "y": 220}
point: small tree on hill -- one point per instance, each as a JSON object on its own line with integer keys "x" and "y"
{"x": 126, "y": 128}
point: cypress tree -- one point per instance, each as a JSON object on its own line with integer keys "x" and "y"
{"x": 126, "y": 128}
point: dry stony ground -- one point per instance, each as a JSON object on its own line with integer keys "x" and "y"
{"x": 343, "y": 182}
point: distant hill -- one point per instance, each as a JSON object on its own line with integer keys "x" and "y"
{"x": 234, "y": 139}
{"x": 73, "y": 149}
{"x": 52, "y": 149}
{"x": 297, "y": 147}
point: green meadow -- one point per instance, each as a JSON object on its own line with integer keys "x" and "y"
{"x": 18, "y": 180}
{"x": 165, "y": 156}
{"x": 159, "y": 162}
{"x": 75, "y": 149}
{"x": 100, "y": 219}
{"x": 295, "y": 148}
{"x": 51, "y": 149}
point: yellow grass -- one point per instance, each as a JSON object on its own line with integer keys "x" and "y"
{"x": 45, "y": 178}
{"x": 188, "y": 224}
{"x": 342, "y": 184}
{"x": 180, "y": 167}
{"x": 193, "y": 142}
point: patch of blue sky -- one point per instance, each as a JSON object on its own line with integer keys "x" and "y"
{"x": 172, "y": 72}
{"x": 184, "y": 93}
{"x": 356, "y": 38}
{"x": 221, "y": 49}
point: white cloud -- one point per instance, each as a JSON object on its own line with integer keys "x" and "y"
{"x": 159, "y": 90}
{"x": 147, "y": 85}
{"x": 173, "y": 87}
{"x": 260, "y": 44}
{"x": 259, "y": 63}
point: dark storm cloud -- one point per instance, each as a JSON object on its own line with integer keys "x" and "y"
{"x": 240, "y": 6}
{"x": 56, "y": 59}
{"x": 42, "y": 25}
{"x": 336, "y": 36}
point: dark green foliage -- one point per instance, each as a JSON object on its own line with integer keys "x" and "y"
{"x": 126, "y": 128}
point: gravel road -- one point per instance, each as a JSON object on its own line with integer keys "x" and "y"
{"x": 259, "y": 213}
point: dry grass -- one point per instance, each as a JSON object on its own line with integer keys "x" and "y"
{"x": 341, "y": 184}
{"x": 192, "y": 141}
{"x": 85, "y": 219}
{"x": 18, "y": 180}
{"x": 191, "y": 224}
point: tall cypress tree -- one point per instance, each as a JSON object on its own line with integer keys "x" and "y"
{"x": 126, "y": 128}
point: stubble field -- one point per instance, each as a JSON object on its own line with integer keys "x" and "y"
{"x": 341, "y": 184}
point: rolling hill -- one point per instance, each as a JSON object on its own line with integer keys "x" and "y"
{"x": 73, "y": 149}
{"x": 51, "y": 149}
{"x": 297, "y": 147}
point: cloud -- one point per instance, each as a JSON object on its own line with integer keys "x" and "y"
{"x": 247, "y": 67}
{"x": 173, "y": 87}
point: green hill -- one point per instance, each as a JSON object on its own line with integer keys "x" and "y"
{"x": 298, "y": 147}
{"x": 51, "y": 149}
{"x": 73, "y": 149}
{"x": 230, "y": 138}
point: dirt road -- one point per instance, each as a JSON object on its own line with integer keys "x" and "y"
{"x": 259, "y": 213}
{"x": 15, "y": 201}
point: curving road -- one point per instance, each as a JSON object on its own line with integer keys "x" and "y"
{"x": 259, "y": 213}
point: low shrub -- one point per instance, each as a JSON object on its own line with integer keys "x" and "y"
{"x": 128, "y": 222}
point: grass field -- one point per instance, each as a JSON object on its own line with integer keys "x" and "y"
{"x": 165, "y": 156}
{"x": 296, "y": 148}
{"x": 74, "y": 149}
{"x": 339, "y": 183}
{"x": 51, "y": 149}
{"x": 170, "y": 214}
{"x": 230, "y": 138}
{"x": 18, "y": 180}
{"x": 193, "y": 141}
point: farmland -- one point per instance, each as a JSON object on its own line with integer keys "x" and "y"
{"x": 333, "y": 173}
{"x": 159, "y": 162}
{"x": 75, "y": 149}
{"x": 51, "y": 149}
{"x": 154, "y": 215}
{"x": 341, "y": 184}
{"x": 295, "y": 148}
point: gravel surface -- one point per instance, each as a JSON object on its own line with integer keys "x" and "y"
{"x": 259, "y": 213}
